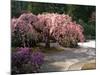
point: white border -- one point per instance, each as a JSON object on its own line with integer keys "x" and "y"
{"x": 4, "y": 37}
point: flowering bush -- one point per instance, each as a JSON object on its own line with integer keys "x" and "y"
{"x": 22, "y": 31}
{"x": 48, "y": 22}
{"x": 24, "y": 58}
{"x": 69, "y": 34}
{"x": 61, "y": 28}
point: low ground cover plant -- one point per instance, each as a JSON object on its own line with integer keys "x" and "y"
{"x": 24, "y": 60}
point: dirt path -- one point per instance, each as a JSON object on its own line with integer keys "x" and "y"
{"x": 65, "y": 60}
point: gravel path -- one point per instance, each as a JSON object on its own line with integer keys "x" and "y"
{"x": 65, "y": 60}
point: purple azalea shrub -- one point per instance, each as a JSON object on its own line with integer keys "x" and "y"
{"x": 24, "y": 56}
{"x": 37, "y": 58}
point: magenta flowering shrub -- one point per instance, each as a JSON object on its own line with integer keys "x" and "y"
{"x": 48, "y": 23}
{"x": 69, "y": 34}
{"x": 22, "y": 31}
{"x": 37, "y": 58}
{"x": 26, "y": 61}
{"x": 61, "y": 28}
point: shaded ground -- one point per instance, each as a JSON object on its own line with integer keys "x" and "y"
{"x": 69, "y": 58}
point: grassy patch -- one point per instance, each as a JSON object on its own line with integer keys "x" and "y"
{"x": 43, "y": 49}
{"x": 49, "y": 50}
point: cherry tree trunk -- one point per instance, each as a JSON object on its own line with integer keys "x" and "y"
{"x": 47, "y": 40}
